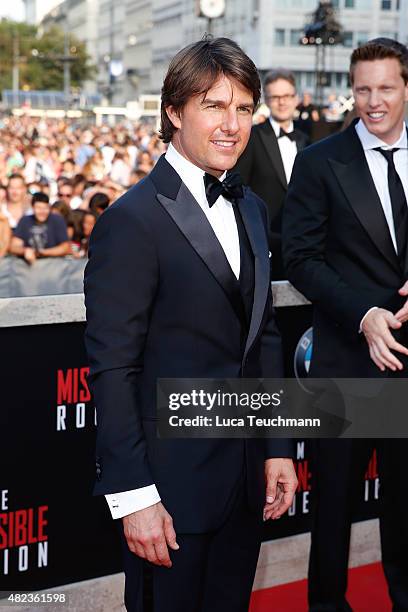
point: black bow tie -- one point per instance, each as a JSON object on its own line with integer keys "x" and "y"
{"x": 230, "y": 188}
{"x": 291, "y": 135}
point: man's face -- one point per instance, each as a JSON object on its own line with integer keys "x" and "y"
{"x": 17, "y": 191}
{"x": 65, "y": 193}
{"x": 213, "y": 131}
{"x": 380, "y": 96}
{"x": 281, "y": 99}
{"x": 41, "y": 211}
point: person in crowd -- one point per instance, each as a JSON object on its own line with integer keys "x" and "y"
{"x": 174, "y": 250}
{"x": 68, "y": 168}
{"x": 345, "y": 234}
{"x": 95, "y": 169}
{"x": 5, "y": 234}
{"x": 87, "y": 224}
{"x": 78, "y": 187}
{"x": 65, "y": 191}
{"x": 60, "y": 207}
{"x": 40, "y": 234}
{"x": 17, "y": 204}
{"x": 98, "y": 203}
{"x": 144, "y": 161}
{"x": 332, "y": 111}
{"x": 307, "y": 114}
{"x": 266, "y": 164}
{"x": 3, "y": 195}
{"x": 136, "y": 176}
{"x": 121, "y": 168}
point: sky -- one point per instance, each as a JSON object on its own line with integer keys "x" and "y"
{"x": 13, "y": 10}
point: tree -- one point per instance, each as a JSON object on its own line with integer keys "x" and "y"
{"x": 40, "y": 56}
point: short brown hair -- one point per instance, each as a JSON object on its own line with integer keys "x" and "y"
{"x": 279, "y": 73}
{"x": 378, "y": 49}
{"x": 195, "y": 69}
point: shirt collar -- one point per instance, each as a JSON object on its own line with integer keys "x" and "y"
{"x": 370, "y": 141}
{"x": 276, "y": 127}
{"x": 191, "y": 175}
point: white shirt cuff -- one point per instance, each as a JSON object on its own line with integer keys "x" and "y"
{"x": 122, "y": 504}
{"x": 361, "y": 322}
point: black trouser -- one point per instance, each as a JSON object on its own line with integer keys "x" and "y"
{"x": 339, "y": 471}
{"x": 211, "y": 572}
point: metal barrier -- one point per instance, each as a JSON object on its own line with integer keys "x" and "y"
{"x": 52, "y": 276}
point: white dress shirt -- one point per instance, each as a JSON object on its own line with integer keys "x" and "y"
{"x": 287, "y": 147}
{"x": 222, "y": 220}
{"x": 378, "y": 166}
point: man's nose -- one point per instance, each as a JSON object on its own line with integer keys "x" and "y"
{"x": 230, "y": 122}
{"x": 374, "y": 98}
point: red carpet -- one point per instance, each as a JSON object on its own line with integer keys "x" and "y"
{"x": 367, "y": 592}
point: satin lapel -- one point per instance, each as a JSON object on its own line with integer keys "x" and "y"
{"x": 358, "y": 186}
{"x": 270, "y": 143}
{"x": 301, "y": 141}
{"x": 194, "y": 225}
{"x": 254, "y": 225}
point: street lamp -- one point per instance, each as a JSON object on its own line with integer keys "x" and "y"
{"x": 323, "y": 31}
{"x": 211, "y": 9}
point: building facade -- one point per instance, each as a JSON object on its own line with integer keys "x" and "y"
{"x": 35, "y": 10}
{"x": 132, "y": 41}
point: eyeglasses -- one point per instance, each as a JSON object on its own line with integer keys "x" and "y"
{"x": 284, "y": 98}
{"x": 64, "y": 195}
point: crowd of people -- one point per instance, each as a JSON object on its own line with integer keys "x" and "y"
{"x": 57, "y": 177}
{"x": 60, "y": 168}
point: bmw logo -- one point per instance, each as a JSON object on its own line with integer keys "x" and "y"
{"x": 303, "y": 356}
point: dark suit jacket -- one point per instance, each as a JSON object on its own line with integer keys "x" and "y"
{"x": 161, "y": 302}
{"x": 261, "y": 168}
{"x": 338, "y": 252}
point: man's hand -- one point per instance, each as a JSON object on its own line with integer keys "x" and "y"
{"x": 148, "y": 533}
{"x": 376, "y": 329}
{"x": 402, "y": 314}
{"x": 29, "y": 255}
{"x": 281, "y": 485}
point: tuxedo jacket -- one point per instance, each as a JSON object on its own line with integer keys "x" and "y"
{"x": 162, "y": 302}
{"x": 338, "y": 252}
{"x": 261, "y": 168}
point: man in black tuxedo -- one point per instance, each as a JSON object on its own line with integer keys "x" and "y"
{"x": 178, "y": 286}
{"x": 267, "y": 162}
{"x": 345, "y": 233}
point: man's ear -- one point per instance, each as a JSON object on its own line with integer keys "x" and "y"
{"x": 174, "y": 116}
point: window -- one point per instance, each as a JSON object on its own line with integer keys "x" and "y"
{"x": 348, "y": 39}
{"x": 295, "y": 36}
{"x": 362, "y": 37}
{"x": 335, "y": 4}
{"x": 386, "y": 5}
{"x": 348, "y": 3}
{"x": 309, "y": 79}
{"x": 339, "y": 79}
{"x": 279, "y": 38}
